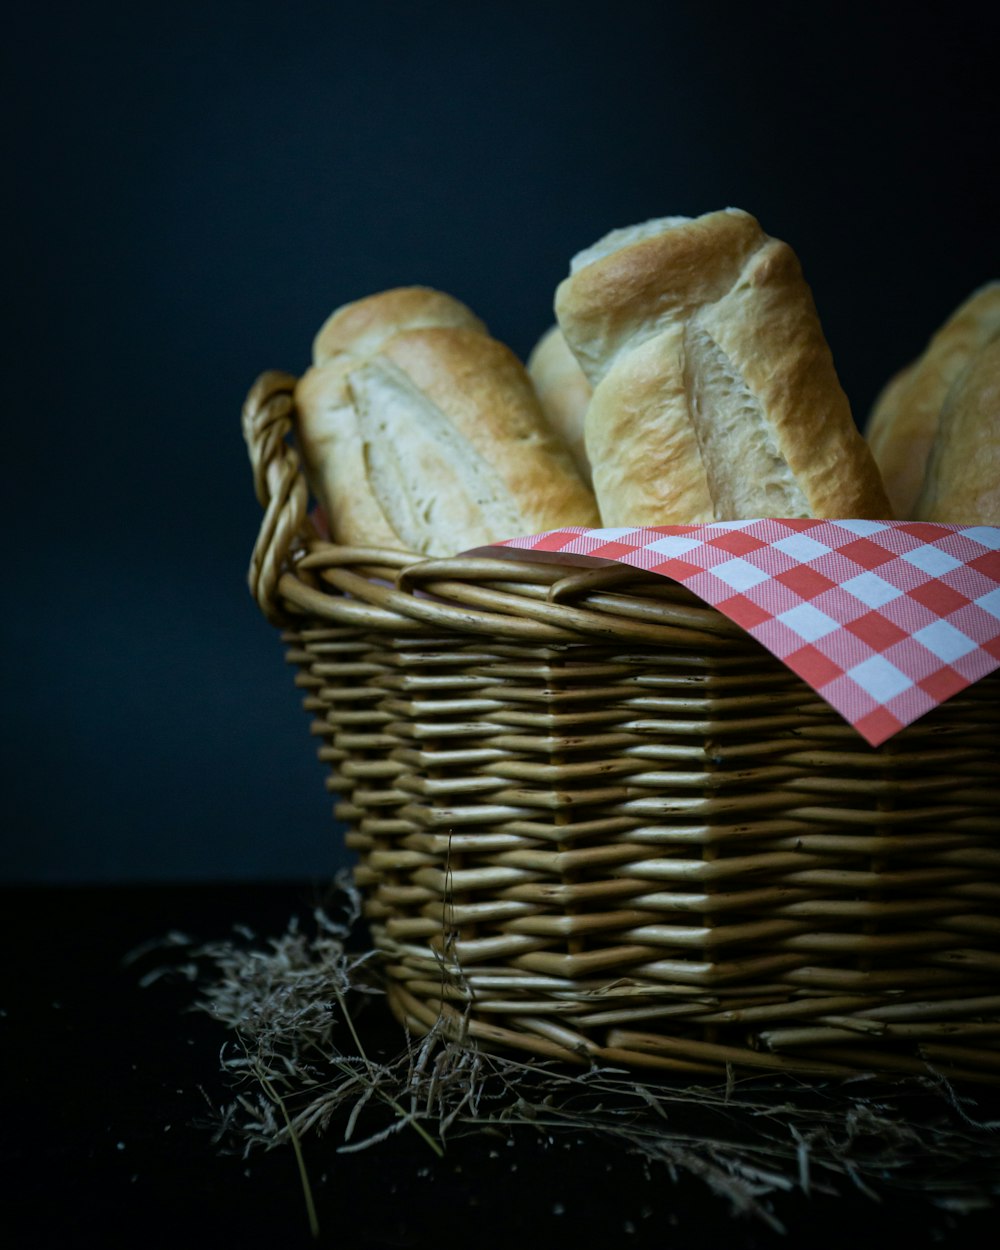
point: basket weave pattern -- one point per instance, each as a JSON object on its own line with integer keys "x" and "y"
{"x": 596, "y": 820}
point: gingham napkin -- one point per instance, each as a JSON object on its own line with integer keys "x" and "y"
{"x": 883, "y": 619}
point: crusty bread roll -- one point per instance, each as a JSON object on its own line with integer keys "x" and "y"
{"x": 962, "y": 483}
{"x": 441, "y": 439}
{"x": 329, "y": 441}
{"x": 327, "y": 430}
{"x": 563, "y": 391}
{"x": 715, "y": 395}
{"x": 903, "y": 424}
{"x": 457, "y": 449}
{"x": 363, "y": 326}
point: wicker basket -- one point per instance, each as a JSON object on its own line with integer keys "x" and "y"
{"x": 596, "y": 821}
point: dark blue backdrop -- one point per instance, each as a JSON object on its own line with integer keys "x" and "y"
{"x": 193, "y": 187}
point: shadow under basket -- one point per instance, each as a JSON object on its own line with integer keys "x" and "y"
{"x": 597, "y": 822}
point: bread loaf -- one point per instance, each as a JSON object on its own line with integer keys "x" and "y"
{"x": 327, "y": 429}
{"x": 563, "y": 391}
{"x": 962, "y": 483}
{"x": 903, "y": 423}
{"x": 361, "y": 327}
{"x": 441, "y": 439}
{"x": 457, "y": 449}
{"x": 715, "y": 395}
{"x": 329, "y": 441}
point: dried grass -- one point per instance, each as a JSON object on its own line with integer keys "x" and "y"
{"x": 295, "y": 1008}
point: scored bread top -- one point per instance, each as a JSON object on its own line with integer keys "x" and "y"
{"x": 715, "y": 391}
{"x": 457, "y": 450}
{"x": 647, "y": 466}
{"x": 329, "y": 441}
{"x": 773, "y": 424}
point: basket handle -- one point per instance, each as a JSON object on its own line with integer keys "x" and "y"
{"x": 280, "y": 485}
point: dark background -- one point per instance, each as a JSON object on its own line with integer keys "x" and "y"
{"x": 192, "y": 188}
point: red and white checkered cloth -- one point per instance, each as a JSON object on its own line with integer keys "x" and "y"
{"x": 884, "y": 619}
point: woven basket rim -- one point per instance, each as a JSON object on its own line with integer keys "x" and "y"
{"x": 297, "y": 573}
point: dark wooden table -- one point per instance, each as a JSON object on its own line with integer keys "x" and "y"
{"x": 109, "y": 1099}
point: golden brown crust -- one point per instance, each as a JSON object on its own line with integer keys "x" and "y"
{"x": 647, "y": 473}
{"x": 419, "y": 431}
{"x": 362, "y": 326}
{"x": 962, "y": 484}
{"x": 793, "y": 448}
{"x": 563, "y": 391}
{"x": 461, "y": 406}
{"x": 633, "y": 292}
{"x": 716, "y": 397}
{"x": 329, "y": 442}
{"x": 903, "y": 423}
